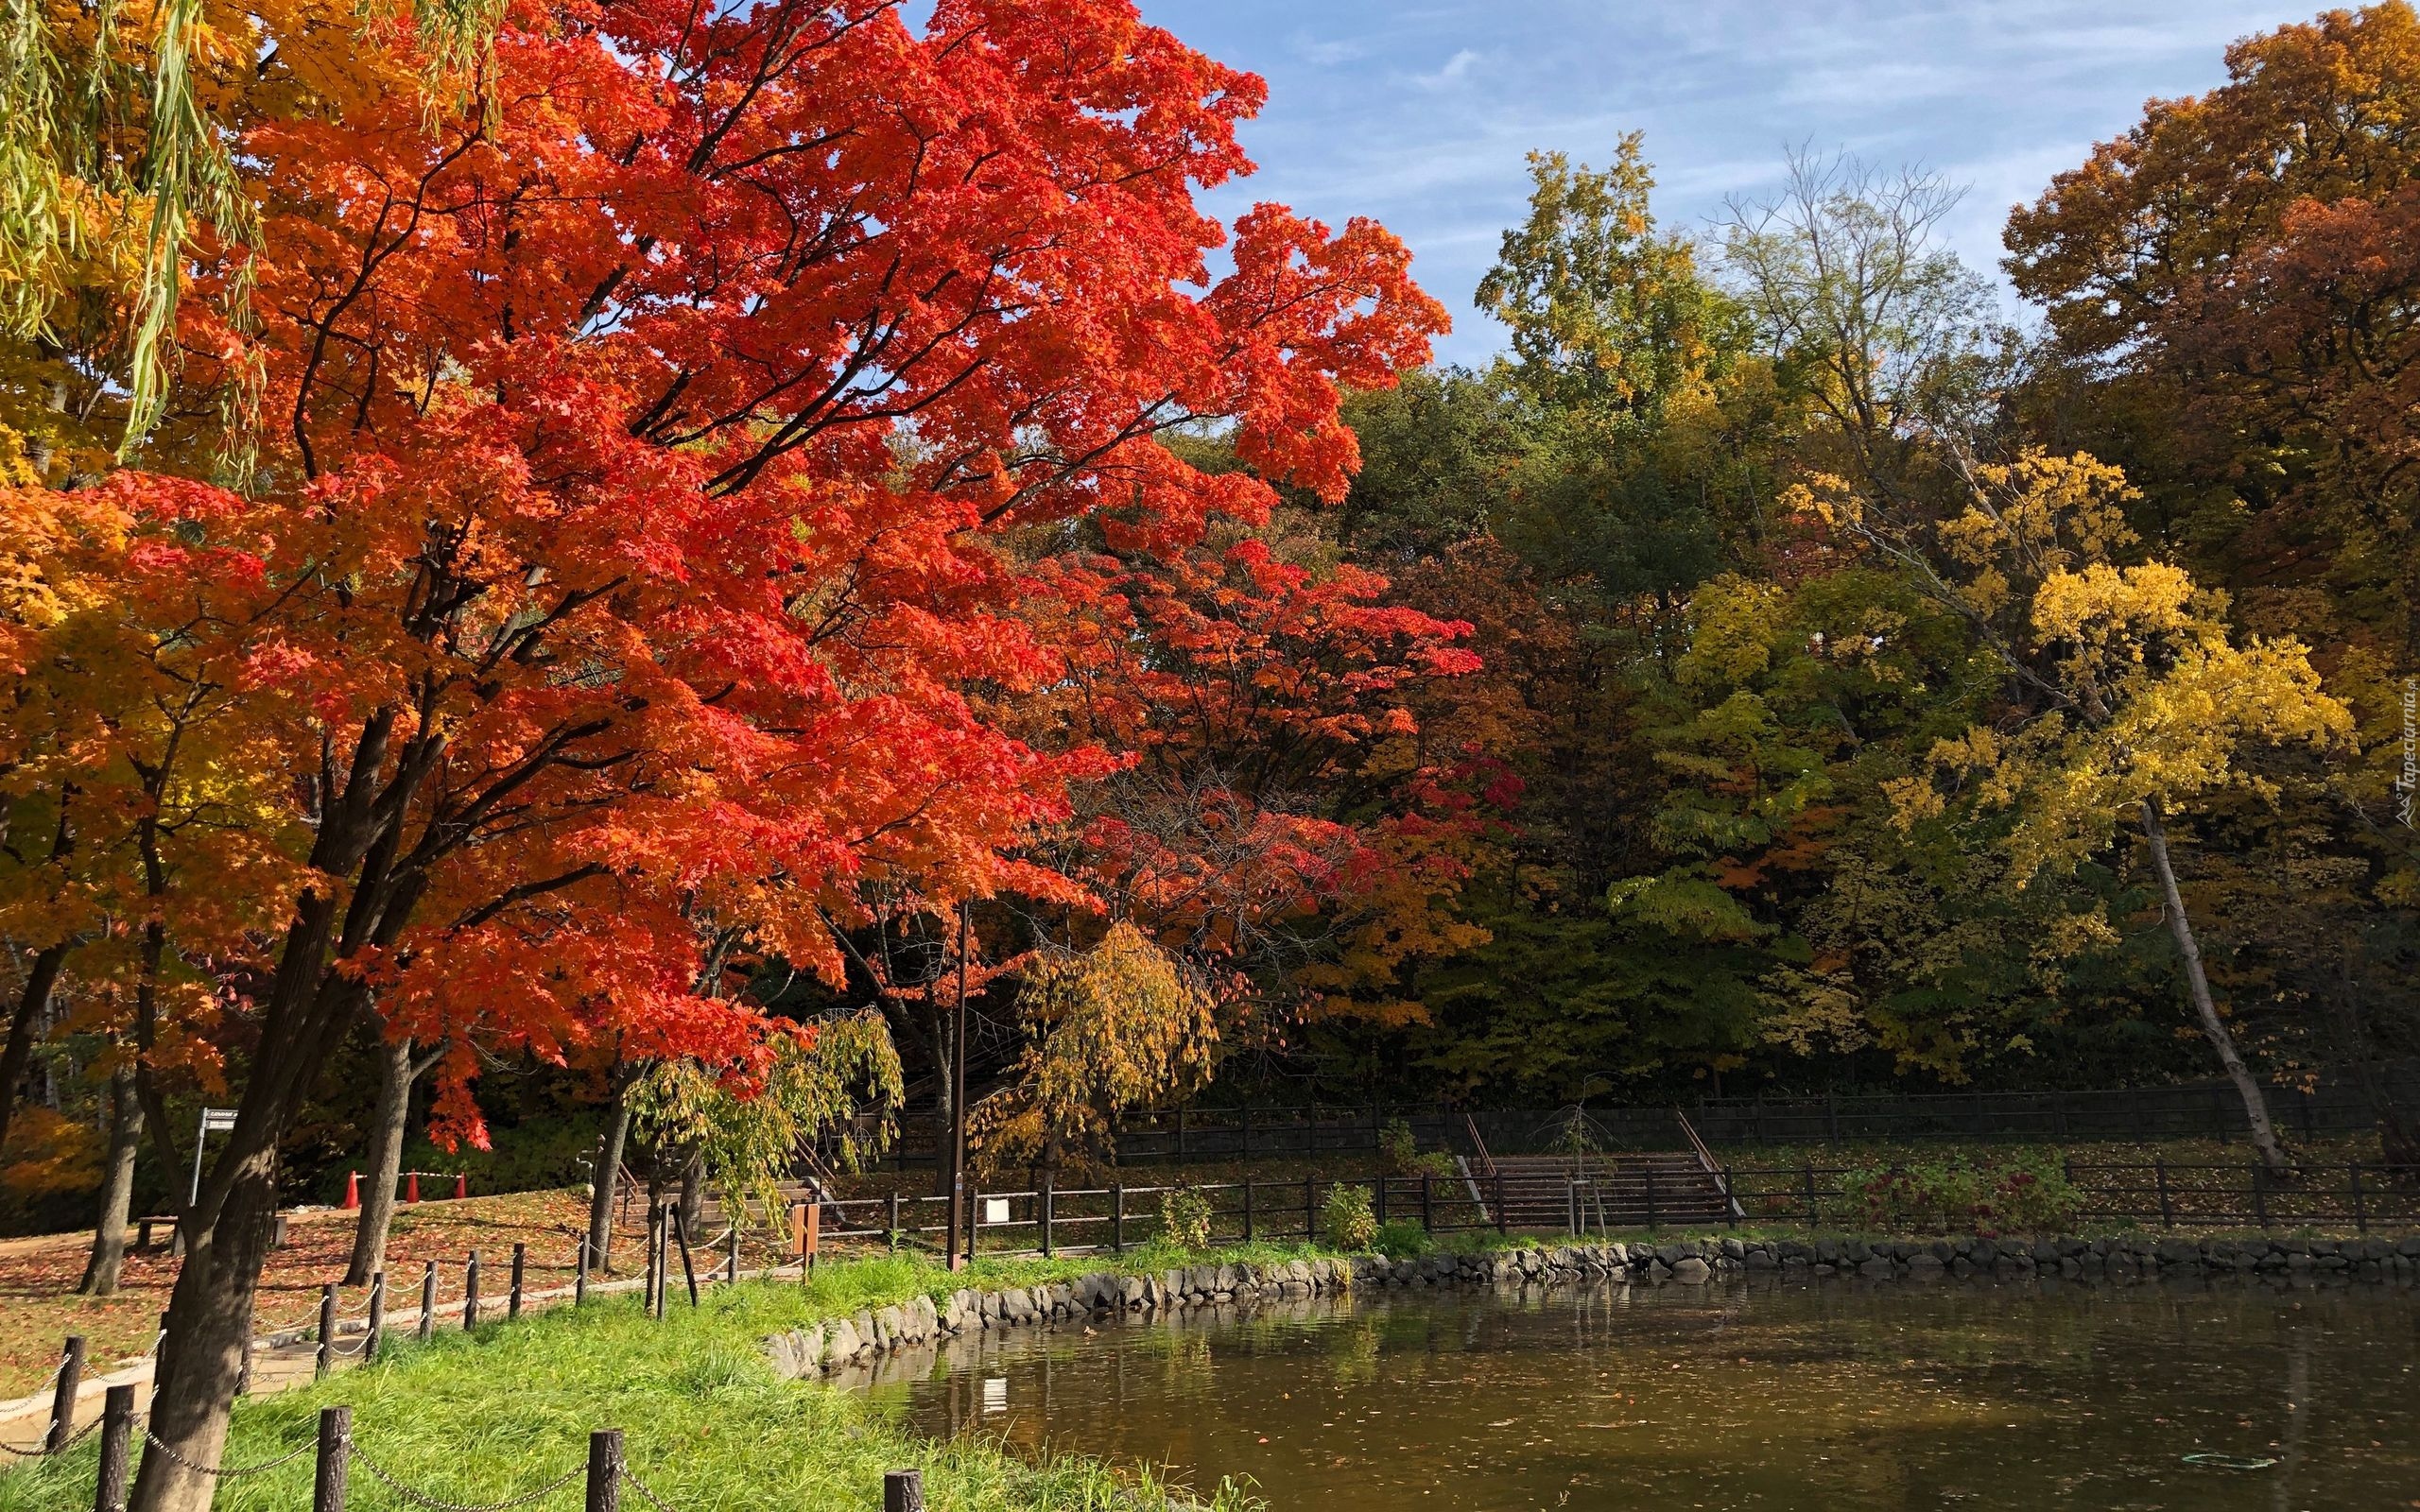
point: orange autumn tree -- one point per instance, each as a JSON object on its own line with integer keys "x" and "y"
{"x": 620, "y": 554}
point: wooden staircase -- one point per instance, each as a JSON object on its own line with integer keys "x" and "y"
{"x": 1627, "y": 1191}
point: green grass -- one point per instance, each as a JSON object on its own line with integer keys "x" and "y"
{"x": 484, "y": 1417}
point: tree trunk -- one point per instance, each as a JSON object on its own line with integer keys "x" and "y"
{"x": 42, "y": 975}
{"x": 608, "y": 1174}
{"x": 944, "y": 1042}
{"x": 117, "y": 1186}
{"x": 387, "y": 1125}
{"x": 693, "y": 1193}
{"x": 2255, "y": 1107}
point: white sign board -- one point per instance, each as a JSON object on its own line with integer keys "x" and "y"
{"x": 995, "y": 1209}
{"x": 218, "y": 1119}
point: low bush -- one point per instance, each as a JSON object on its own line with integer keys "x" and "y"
{"x": 1346, "y": 1219}
{"x": 1401, "y": 1239}
{"x": 1953, "y": 1197}
{"x": 1184, "y": 1218}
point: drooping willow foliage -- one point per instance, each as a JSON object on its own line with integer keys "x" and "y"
{"x": 115, "y": 168}
{"x": 748, "y": 1129}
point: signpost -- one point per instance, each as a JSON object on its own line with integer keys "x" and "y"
{"x": 214, "y": 1121}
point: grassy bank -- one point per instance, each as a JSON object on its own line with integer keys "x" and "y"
{"x": 491, "y": 1415}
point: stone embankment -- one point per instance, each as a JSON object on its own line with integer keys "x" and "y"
{"x": 877, "y": 1333}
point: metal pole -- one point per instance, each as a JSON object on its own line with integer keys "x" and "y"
{"x": 1247, "y": 1210}
{"x": 1117, "y": 1218}
{"x": 960, "y": 1207}
{"x": 327, "y": 1485}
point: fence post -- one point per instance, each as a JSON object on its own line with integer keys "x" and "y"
{"x": 1045, "y": 1209}
{"x": 1247, "y": 1205}
{"x": 1571, "y": 1206}
{"x": 2360, "y": 1218}
{"x": 2166, "y": 1212}
{"x": 1503, "y": 1221}
{"x": 580, "y": 1272}
{"x": 62, "y": 1400}
{"x": 1180, "y": 1133}
{"x": 1117, "y": 1218}
{"x": 376, "y": 1340}
{"x": 2259, "y": 1194}
{"x": 1247, "y": 1131}
{"x": 327, "y": 1484}
{"x": 1651, "y": 1194}
{"x": 605, "y": 1471}
{"x": 973, "y": 1219}
{"x": 520, "y": 1262}
{"x": 681, "y": 1236}
{"x": 1813, "y": 1218}
{"x": 895, "y": 1220}
{"x": 1381, "y": 1185}
{"x": 903, "y": 1491}
{"x": 1831, "y": 1115}
{"x": 324, "y": 1356}
{"x": 731, "y": 1269}
{"x": 1730, "y": 1201}
{"x": 427, "y": 1302}
{"x": 117, "y": 1430}
{"x": 651, "y": 1295}
{"x": 470, "y": 1292}
{"x": 1310, "y": 1208}
{"x": 1427, "y": 1202}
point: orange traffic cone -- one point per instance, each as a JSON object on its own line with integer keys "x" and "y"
{"x": 411, "y": 1186}
{"x": 352, "y": 1190}
{"x": 461, "y": 1184}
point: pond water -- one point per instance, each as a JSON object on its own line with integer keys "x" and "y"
{"x": 1782, "y": 1394}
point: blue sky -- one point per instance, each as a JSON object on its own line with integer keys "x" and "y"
{"x": 1420, "y": 113}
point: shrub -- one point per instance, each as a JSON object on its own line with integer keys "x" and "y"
{"x": 1346, "y": 1220}
{"x": 1951, "y": 1196}
{"x": 1398, "y": 1152}
{"x": 1184, "y": 1218}
{"x": 1400, "y": 1238}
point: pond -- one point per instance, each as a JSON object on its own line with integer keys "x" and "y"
{"x": 1784, "y": 1394}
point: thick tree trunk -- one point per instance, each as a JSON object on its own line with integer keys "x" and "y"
{"x": 42, "y": 975}
{"x": 944, "y": 1042}
{"x": 604, "y": 1188}
{"x": 387, "y": 1125}
{"x": 693, "y": 1194}
{"x": 2255, "y": 1107}
{"x": 117, "y": 1186}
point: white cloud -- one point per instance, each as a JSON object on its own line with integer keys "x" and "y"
{"x": 1456, "y": 68}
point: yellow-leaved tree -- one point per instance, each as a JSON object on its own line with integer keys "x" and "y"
{"x": 1117, "y": 1026}
{"x": 2128, "y": 699}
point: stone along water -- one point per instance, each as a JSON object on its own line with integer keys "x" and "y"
{"x": 2002, "y": 1395}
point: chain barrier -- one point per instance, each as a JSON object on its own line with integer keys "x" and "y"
{"x": 222, "y": 1472}
{"x": 641, "y": 1486}
{"x": 38, "y": 1450}
{"x": 433, "y": 1504}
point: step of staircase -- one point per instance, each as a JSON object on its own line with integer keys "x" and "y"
{"x": 1613, "y": 1190}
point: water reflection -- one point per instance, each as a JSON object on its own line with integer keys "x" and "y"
{"x": 2011, "y": 1395}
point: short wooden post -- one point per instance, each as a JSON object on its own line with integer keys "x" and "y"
{"x": 580, "y": 1272}
{"x": 428, "y": 1301}
{"x": 327, "y": 1485}
{"x": 731, "y": 1266}
{"x": 470, "y": 1291}
{"x": 324, "y": 1358}
{"x": 1247, "y": 1208}
{"x": 903, "y": 1491}
{"x": 513, "y": 1294}
{"x": 117, "y": 1432}
{"x": 973, "y": 1220}
{"x": 651, "y": 1301}
{"x": 277, "y": 1231}
{"x": 605, "y": 1471}
{"x": 689, "y": 1266}
{"x": 895, "y": 1220}
{"x": 2167, "y": 1209}
{"x": 63, "y": 1397}
{"x": 1117, "y": 1218}
{"x": 1045, "y": 1212}
{"x": 1427, "y": 1202}
{"x": 375, "y": 1339}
